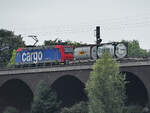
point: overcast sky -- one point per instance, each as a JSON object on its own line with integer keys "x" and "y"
{"x": 76, "y": 20}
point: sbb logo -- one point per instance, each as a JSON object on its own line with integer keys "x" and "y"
{"x": 32, "y": 56}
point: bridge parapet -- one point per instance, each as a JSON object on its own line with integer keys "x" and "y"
{"x": 46, "y": 69}
{"x": 77, "y": 66}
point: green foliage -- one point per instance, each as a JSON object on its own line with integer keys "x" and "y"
{"x": 10, "y": 110}
{"x": 133, "y": 109}
{"x": 12, "y": 60}
{"x": 59, "y": 41}
{"x": 8, "y": 42}
{"x": 134, "y": 49}
{"x": 45, "y": 100}
{"x": 81, "y": 107}
{"x": 52, "y": 42}
{"x": 106, "y": 87}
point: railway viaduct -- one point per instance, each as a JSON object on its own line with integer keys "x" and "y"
{"x": 17, "y": 86}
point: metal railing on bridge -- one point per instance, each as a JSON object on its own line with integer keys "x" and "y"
{"x": 71, "y": 63}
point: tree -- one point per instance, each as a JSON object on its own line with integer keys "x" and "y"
{"x": 8, "y": 42}
{"x": 10, "y": 110}
{"x": 106, "y": 87}
{"x": 134, "y": 49}
{"x": 59, "y": 41}
{"x": 52, "y": 42}
{"x": 81, "y": 107}
{"x": 45, "y": 100}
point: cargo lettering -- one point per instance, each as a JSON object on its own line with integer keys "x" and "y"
{"x": 32, "y": 56}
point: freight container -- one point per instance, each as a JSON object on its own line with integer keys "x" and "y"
{"x": 85, "y": 52}
{"x": 82, "y": 53}
{"x": 94, "y": 52}
{"x": 106, "y": 47}
{"x": 121, "y": 50}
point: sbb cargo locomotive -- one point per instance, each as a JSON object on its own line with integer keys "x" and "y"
{"x": 65, "y": 54}
{"x": 38, "y": 55}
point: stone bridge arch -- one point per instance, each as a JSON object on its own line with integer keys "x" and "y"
{"x": 26, "y": 78}
{"x": 70, "y": 89}
{"x": 82, "y": 75}
{"x": 15, "y": 93}
{"x": 136, "y": 87}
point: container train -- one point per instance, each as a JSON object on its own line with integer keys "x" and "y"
{"x": 65, "y": 54}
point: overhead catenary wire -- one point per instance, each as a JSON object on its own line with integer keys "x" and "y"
{"x": 109, "y": 24}
{"x": 129, "y": 26}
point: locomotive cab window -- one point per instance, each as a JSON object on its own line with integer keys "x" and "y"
{"x": 68, "y": 50}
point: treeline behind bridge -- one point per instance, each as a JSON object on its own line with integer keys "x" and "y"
{"x": 10, "y": 41}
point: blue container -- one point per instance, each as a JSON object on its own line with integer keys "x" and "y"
{"x": 38, "y": 55}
